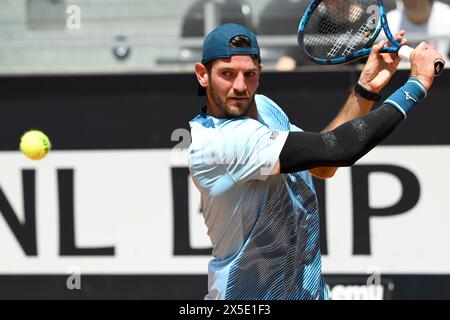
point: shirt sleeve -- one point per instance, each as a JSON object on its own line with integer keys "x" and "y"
{"x": 240, "y": 150}
{"x": 248, "y": 149}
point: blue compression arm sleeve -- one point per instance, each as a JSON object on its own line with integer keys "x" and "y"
{"x": 347, "y": 143}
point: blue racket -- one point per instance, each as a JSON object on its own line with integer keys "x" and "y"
{"x": 340, "y": 31}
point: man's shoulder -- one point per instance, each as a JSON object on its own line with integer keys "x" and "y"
{"x": 264, "y": 103}
{"x": 273, "y": 113}
{"x": 223, "y": 134}
{"x": 198, "y": 119}
{"x": 264, "y": 100}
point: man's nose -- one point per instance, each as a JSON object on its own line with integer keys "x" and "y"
{"x": 239, "y": 83}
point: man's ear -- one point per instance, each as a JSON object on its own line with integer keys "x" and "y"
{"x": 202, "y": 74}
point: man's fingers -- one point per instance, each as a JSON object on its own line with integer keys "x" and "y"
{"x": 377, "y": 48}
{"x": 401, "y": 33}
{"x": 399, "y": 37}
{"x": 402, "y": 40}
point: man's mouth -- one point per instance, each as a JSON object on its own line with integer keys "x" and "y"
{"x": 239, "y": 98}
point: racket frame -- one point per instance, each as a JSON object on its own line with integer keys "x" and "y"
{"x": 382, "y": 24}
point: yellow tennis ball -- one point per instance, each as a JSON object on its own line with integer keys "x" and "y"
{"x": 35, "y": 144}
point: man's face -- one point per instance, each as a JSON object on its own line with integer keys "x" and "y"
{"x": 232, "y": 85}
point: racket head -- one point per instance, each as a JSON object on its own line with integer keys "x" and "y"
{"x": 340, "y": 31}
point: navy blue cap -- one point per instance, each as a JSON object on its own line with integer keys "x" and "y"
{"x": 217, "y": 43}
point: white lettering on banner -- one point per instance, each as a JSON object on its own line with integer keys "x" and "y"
{"x": 124, "y": 200}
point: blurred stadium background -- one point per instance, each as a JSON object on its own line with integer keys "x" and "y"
{"x": 111, "y": 212}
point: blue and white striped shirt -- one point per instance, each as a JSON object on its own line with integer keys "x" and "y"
{"x": 264, "y": 227}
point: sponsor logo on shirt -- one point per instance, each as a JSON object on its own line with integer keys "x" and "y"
{"x": 274, "y": 135}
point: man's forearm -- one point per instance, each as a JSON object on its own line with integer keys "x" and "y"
{"x": 353, "y": 108}
{"x": 342, "y": 146}
{"x": 351, "y": 140}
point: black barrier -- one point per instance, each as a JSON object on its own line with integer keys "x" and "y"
{"x": 141, "y": 112}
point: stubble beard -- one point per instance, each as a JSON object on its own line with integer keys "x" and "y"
{"x": 227, "y": 110}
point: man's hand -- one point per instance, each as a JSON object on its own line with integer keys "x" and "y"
{"x": 422, "y": 63}
{"x": 380, "y": 67}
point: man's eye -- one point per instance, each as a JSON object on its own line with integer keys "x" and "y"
{"x": 226, "y": 73}
{"x": 251, "y": 74}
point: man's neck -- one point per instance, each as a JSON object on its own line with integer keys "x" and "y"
{"x": 253, "y": 112}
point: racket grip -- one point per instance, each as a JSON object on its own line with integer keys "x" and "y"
{"x": 439, "y": 67}
{"x": 405, "y": 54}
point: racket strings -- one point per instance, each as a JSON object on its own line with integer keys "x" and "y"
{"x": 339, "y": 28}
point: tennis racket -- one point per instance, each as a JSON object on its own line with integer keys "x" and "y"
{"x": 340, "y": 31}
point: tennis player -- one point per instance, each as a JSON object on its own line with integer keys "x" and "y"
{"x": 253, "y": 166}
